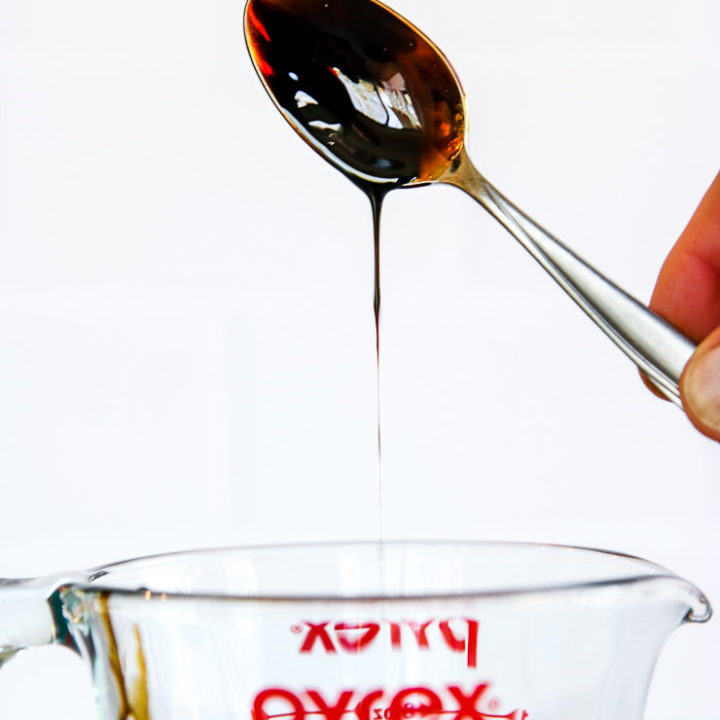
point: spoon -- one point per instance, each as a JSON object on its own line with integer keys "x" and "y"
{"x": 377, "y": 99}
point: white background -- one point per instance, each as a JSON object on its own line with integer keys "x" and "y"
{"x": 186, "y": 335}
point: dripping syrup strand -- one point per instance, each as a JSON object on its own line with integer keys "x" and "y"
{"x": 376, "y": 205}
{"x": 376, "y": 194}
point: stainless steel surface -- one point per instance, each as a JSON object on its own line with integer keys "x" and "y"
{"x": 654, "y": 345}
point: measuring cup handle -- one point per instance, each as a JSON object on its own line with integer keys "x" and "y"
{"x": 29, "y": 616}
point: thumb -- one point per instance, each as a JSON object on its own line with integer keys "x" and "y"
{"x": 700, "y": 386}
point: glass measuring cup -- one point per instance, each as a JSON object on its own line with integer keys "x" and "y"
{"x": 468, "y": 631}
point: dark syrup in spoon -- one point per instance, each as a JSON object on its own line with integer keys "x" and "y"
{"x": 366, "y": 90}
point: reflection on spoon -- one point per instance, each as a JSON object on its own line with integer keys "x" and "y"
{"x": 375, "y": 97}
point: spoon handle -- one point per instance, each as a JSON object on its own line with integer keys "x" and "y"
{"x": 654, "y": 345}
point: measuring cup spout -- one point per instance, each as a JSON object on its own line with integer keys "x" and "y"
{"x": 30, "y": 615}
{"x": 698, "y": 608}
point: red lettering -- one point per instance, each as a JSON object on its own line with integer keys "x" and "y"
{"x": 468, "y": 703}
{"x": 363, "y": 707}
{"x": 413, "y": 702}
{"x": 421, "y": 632}
{"x": 261, "y": 698}
{"x": 359, "y": 642}
{"x": 317, "y": 632}
{"x": 459, "y": 644}
{"x": 400, "y": 707}
{"x": 331, "y": 712}
{"x": 354, "y": 637}
{"x": 395, "y": 634}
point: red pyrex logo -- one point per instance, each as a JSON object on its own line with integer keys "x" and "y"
{"x": 457, "y": 634}
{"x": 406, "y": 703}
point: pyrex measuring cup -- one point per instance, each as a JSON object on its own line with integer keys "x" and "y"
{"x": 464, "y": 631}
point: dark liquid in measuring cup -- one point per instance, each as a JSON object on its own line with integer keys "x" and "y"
{"x": 365, "y": 90}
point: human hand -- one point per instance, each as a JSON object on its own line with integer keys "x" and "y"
{"x": 687, "y": 294}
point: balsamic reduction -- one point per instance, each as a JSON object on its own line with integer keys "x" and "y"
{"x": 363, "y": 87}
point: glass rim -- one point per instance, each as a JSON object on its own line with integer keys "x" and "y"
{"x": 93, "y": 583}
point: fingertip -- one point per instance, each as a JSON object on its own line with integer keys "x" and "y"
{"x": 651, "y": 386}
{"x": 700, "y": 387}
{"x": 687, "y": 292}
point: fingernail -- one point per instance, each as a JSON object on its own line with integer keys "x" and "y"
{"x": 701, "y": 388}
